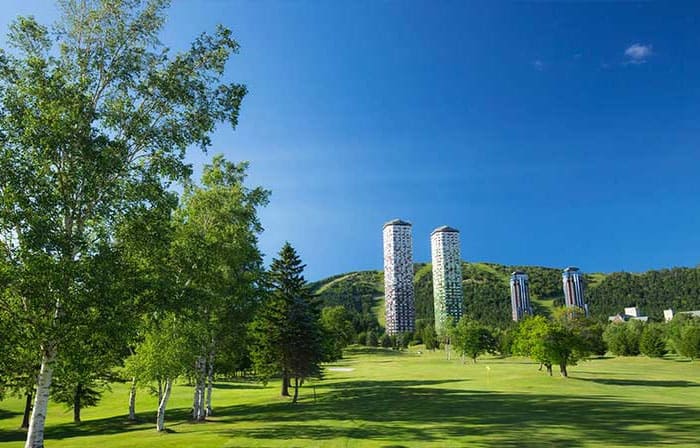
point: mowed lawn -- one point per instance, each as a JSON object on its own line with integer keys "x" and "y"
{"x": 392, "y": 399}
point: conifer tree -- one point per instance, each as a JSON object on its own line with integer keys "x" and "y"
{"x": 286, "y": 331}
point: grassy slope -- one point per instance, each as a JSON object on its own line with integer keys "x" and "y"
{"x": 392, "y": 399}
{"x": 492, "y": 271}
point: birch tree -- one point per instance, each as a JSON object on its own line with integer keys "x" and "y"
{"x": 164, "y": 355}
{"x": 217, "y": 262}
{"x": 95, "y": 118}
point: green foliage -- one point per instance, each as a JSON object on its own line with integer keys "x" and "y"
{"x": 338, "y": 331}
{"x": 429, "y": 337}
{"x": 96, "y": 117}
{"x": 623, "y": 339}
{"x": 472, "y": 339}
{"x": 652, "y": 343}
{"x": 372, "y": 340}
{"x": 386, "y": 341}
{"x": 684, "y": 335}
{"x": 287, "y": 337}
{"x": 652, "y": 291}
{"x": 167, "y": 351}
{"x": 550, "y": 342}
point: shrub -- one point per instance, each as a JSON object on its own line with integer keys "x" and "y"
{"x": 653, "y": 341}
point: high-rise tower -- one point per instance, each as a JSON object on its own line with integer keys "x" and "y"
{"x": 572, "y": 280}
{"x": 520, "y": 295}
{"x": 398, "y": 277}
{"x": 447, "y": 276}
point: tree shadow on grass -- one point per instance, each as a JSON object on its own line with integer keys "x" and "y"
{"x": 103, "y": 426}
{"x": 238, "y": 385}
{"x": 643, "y": 383}
{"x": 5, "y": 414}
{"x": 407, "y": 412}
{"x": 373, "y": 351}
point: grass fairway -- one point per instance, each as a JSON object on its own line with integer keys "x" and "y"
{"x": 394, "y": 399}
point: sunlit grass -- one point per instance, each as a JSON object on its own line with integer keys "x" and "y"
{"x": 411, "y": 399}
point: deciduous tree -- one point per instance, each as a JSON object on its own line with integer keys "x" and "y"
{"x": 95, "y": 118}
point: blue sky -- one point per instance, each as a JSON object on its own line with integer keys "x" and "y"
{"x": 548, "y": 133}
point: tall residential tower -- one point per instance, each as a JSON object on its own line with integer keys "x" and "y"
{"x": 447, "y": 275}
{"x": 572, "y": 280}
{"x": 398, "y": 277}
{"x": 520, "y": 295}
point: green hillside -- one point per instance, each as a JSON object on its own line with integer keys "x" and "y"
{"x": 487, "y": 292}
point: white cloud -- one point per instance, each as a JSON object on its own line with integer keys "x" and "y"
{"x": 638, "y": 53}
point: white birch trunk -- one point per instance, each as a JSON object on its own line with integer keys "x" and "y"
{"x": 202, "y": 374}
{"x": 132, "y": 400}
{"x": 198, "y": 399}
{"x": 35, "y": 433}
{"x": 160, "y": 421}
{"x": 210, "y": 383}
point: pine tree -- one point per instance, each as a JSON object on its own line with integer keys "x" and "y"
{"x": 286, "y": 331}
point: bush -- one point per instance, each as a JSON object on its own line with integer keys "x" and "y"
{"x": 372, "y": 339}
{"x": 623, "y": 338}
{"x": 690, "y": 341}
{"x": 386, "y": 341}
{"x": 362, "y": 338}
{"x": 653, "y": 341}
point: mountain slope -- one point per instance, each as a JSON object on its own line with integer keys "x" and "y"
{"x": 487, "y": 292}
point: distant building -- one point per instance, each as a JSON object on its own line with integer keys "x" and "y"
{"x": 631, "y": 313}
{"x": 669, "y": 314}
{"x": 398, "y": 277}
{"x": 447, "y": 276}
{"x": 520, "y": 295}
{"x": 572, "y": 280}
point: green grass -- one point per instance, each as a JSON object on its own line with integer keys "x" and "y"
{"x": 407, "y": 399}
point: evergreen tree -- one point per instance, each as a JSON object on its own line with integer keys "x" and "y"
{"x": 286, "y": 332}
{"x": 653, "y": 341}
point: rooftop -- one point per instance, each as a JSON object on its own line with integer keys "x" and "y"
{"x": 397, "y": 222}
{"x": 571, "y": 269}
{"x": 518, "y": 273}
{"x": 447, "y": 229}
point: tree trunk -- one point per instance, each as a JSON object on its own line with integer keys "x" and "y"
{"x": 160, "y": 390}
{"x": 549, "y": 368}
{"x": 132, "y": 400}
{"x": 296, "y": 389}
{"x": 27, "y": 410}
{"x": 562, "y": 369}
{"x": 35, "y": 433}
{"x": 210, "y": 383}
{"x": 198, "y": 401}
{"x": 160, "y": 421}
{"x": 76, "y": 403}
{"x": 285, "y": 385}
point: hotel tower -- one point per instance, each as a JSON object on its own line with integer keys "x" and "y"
{"x": 447, "y": 276}
{"x": 520, "y": 295}
{"x": 572, "y": 280}
{"x": 398, "y": 277}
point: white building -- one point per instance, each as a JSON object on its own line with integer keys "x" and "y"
{"x": 631, "y": 313}
{"x": 669, "y": 314}
{"x": 398, "y": 277}
{"x": 447, "y": 276}
{"x": 520, "y": 295}
{"x": 572, "y": 280}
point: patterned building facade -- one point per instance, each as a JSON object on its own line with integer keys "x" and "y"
{"x": 398, "y": 277}
{"x": 447, "y": 276}
{"x": 572, "y": 279}
{"x": 520, "y": 295}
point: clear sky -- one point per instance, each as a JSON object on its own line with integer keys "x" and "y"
{"x": 548, "y": 133}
